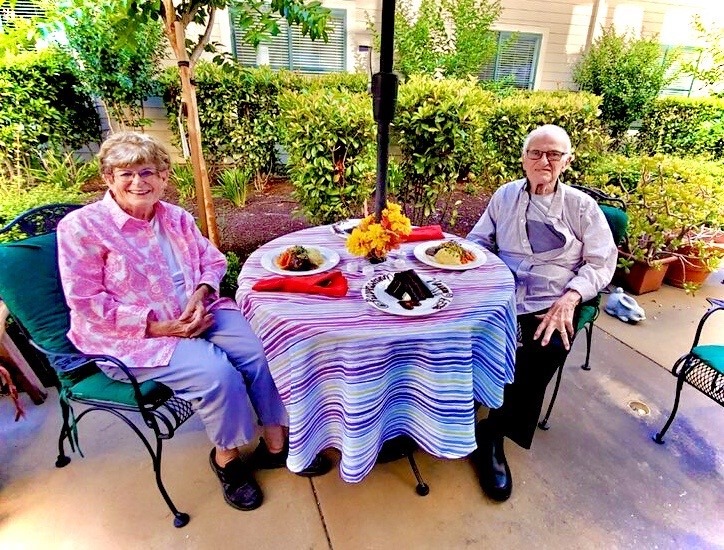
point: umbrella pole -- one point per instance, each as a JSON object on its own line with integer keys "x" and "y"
{"x": 384, "y": 100}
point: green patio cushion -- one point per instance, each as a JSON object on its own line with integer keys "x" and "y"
{"x": 711, "y": 355}
{"x": 99, "y": 387}
{"x": 617, "y": 220}
{"x": 588, "y": 315}
{"x": 30, "y": 287}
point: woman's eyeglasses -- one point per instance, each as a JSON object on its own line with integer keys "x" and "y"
{"x": 126, "y": 176}
{"x": 552, "y": 156}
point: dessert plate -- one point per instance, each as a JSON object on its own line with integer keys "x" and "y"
{"x": 421, "y": 249}
{"x": 373, "y": 292}
{"x": 268, "y": 261}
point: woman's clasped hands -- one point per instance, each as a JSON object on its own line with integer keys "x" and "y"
{"x": 193, "y": 321}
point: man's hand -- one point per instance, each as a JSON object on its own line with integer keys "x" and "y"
{"x": 559, "y": 318}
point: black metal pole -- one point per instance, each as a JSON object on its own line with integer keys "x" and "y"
{"x": 384, "y": 100}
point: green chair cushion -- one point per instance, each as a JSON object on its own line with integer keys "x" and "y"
{"x": 98, "y": 387}
{"x": 617, "y": 220}
{"x": 30, "y": 287}
{"x": 588, "y": 315}
{"x": 711, "y": 355}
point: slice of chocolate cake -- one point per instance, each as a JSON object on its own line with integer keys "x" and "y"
{"x": 408, "y": 283}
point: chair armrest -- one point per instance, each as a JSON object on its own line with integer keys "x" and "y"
{"x": 69, "y": 361}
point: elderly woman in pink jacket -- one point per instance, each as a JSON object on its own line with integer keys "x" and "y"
{"x": 142, "y": 284}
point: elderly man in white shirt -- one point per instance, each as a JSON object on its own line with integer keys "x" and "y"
{"x": 556, "y": 241}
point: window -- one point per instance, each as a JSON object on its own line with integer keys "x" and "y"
{"x": 21, "y": 8}
{"x": 290, "y": 50}
{"x": 516, "y": 57}
{"x": 683, "y": 83}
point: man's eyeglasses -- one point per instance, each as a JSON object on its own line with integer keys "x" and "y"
{"x": 126, "y": 176}
{"x": 552, "y": 156}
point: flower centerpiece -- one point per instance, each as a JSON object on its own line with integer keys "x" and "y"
{"x": 373, "y": 239}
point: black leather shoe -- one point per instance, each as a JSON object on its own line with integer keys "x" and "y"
{"x": 263, "y": 459}
{"x": 238, "y": 484}
{"x": 489, "y": 460}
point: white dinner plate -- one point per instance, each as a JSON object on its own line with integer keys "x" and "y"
{"x": 373, "y": 292}
{"x": 344, "y": 228}
{"x": 422, "y": 248}
{"x": 268, "y": 261}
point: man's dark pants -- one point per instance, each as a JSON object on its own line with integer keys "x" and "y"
{"x": 535, "y": 366}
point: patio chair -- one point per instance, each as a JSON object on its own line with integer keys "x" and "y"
{"x": 614, "y": 209}
{"x": 30, "y": 287}
{"x": 702, "y": 367}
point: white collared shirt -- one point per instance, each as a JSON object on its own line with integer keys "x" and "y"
{"x": 573, "y": 243}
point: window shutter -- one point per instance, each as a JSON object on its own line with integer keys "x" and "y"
{"x": 517, "y": 57}
{"x": 317, "y": 56}
{"x": 290, "y": 50}
{"x": 22, "y": 8}
{"x": 683, "y": 83}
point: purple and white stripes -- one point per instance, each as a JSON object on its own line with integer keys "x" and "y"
{"x": 352, "y": 376}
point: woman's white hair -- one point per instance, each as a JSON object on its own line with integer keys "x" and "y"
{"x": 548, "y": 129}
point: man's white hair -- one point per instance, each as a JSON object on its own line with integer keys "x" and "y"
{"x": 548, "y": 129}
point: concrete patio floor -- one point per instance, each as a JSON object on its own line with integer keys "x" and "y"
{"x": 594, "y": 480}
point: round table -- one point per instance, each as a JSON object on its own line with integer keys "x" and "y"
{"x": 352, "y": 376}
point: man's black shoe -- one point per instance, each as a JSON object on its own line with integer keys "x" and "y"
{"x": 489, "y": 460}
{"x": 238, "y": 484}
{"x": 263, "y": 459}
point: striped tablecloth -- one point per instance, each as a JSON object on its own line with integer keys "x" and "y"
{"x": 352, "y": 376}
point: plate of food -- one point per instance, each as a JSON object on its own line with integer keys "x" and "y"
{"x": 344, "y": 228}
{"x": 406, "y": 293}
{"x": 299, "y": 260}
{"x": 450, "y": 254}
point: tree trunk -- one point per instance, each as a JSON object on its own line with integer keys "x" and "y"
{"x": 177, "y": 37}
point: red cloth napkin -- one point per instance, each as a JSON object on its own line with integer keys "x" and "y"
{"x": 425, "y": 233}
{"x": 331, "y": 283}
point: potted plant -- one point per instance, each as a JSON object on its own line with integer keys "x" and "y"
{"x": 671, "y": 199}
{"x": 697, "y": 257}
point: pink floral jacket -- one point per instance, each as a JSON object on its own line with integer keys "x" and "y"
{"x": 115, "y": 275}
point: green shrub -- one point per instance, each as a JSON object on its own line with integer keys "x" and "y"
{"x": 439, "y": 128}
{"x": 628, "y": 73}
{"x": 684, "y": 126}
{"x": 42, "y": 105}
{"x": 229, "y": 283}
{"x": 16, "y": 200}
{"x": 515, "y": 116}
{"x": 238, "y": 112}
{"x": 330, "y": 138}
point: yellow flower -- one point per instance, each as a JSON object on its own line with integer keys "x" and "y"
{"x": 378, "y": 238}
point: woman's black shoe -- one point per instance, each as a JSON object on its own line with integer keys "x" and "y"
{"x": 238, "y": 484}
{"x": 489, "y": 460}
{"x": 263, "y": 459}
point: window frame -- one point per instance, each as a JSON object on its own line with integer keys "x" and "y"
{"x": 502, "y": 37}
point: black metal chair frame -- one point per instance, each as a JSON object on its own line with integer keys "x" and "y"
{"x": 163, "y": 417}
{"x": 695, "y": 372}
{"x": 599, "y": 197}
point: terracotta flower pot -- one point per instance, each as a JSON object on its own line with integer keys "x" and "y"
{"x": 688, "y": 269}
{"x": 643, "y": 278}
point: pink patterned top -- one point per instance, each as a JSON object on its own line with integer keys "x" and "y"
{"x": 115, "y": 275}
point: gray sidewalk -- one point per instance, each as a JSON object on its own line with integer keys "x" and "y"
{"x": 594, "y": 480}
